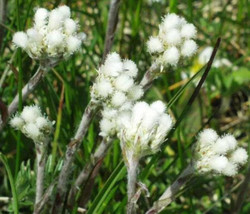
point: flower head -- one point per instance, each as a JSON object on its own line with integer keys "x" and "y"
{"x": 53, "y": 36}
{"x": 115, "y": 84}
{"x": 219, "y": 155}
{"x": 32, "y": 123}
{"x": 143, "y": 129}
{"x": 174, "y": 41}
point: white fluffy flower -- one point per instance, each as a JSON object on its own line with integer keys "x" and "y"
{"x": 17, "y": 122}
{"x": 154, "y": 45}
{"x": 158, "y": 106}
{"x": 239, "y": 156}
{"x": 216, "y": 154}
{"x": 73, "y": 44}
{"x": 103, "y": 88}
{"x": 53, "y": 37}
{"x": 30, "y": 113}
{"x": 189, "y": 48}
{"x": 123, "y": 82}
{"x": 135, "y": 92}
{"x": 208, "y": 136}
{"x": 171, "y": 56}
{"x": 20, "y": 39}
{"x": 173, "y": 37}
{"x": 40, "y": 18}
{"x": 218, "y": 163}
{"x": 188, "y": 31}
{"x": 70, "y": 26}
{"x": 118, "y": 99}
{"x": 116, "y": 76}
{"x": 33, "y": 124}
{"x": 173, "y": 43}
{"x": 130, "y": 68}
{"x": 142, "y": 131}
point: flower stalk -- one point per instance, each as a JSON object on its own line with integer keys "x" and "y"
{"x": 169, "y": 195}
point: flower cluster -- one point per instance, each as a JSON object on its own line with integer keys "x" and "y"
{"x": 143, "y": 129}
{"x": 32, "y": 123}
{"x": 53, "y": 36}
{"x": 219, "y": 155}
{"x": 115, "y": 83}
{"x": 174, "y": 41}
{"x": 115, "y": 90}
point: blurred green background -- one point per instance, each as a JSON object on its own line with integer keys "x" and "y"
{"x": 222, "y": 104}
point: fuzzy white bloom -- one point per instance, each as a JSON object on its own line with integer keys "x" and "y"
{"x": 188, "y": 31}
{"x": 73, "y": 44}
{"x": 20, "y": 39}
{"x": 115, "y": 84}
{"x": 130, "y": 68}
{"x": 33, "y": 124}
{"x": 40, "y": 18}
{"x": 189, "y": 48}
{"x": 54, "y": 36}
{"x": 173, "y": 43}
{"x": 118, "y": 99}
{"x": 143, "y": 129}
{"x": 171, "y": 56}
{"x": 154, "y": 45}
{"x": 219, "y": 155}
{"x": 123, "y": 82}
{"x": 239, "y": 156}
{"x": 173, "y": 37}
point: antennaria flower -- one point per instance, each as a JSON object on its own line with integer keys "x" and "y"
{"x": 53, "y": 37}
{"x": 220, "y": 155}
{"x": 174, "y": 41}
{"x": 143, "y": 129}
{"x": 32, "y": 123}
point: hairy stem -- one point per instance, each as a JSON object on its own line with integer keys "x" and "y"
{"x": 26, "y": 91}
{"x": 90, "y": 168}
{"x": 112, "y": 23}
{"x": 70, "y": 154}
{"x": 169, "y": 195}
{"x": 131, "y": 205}
{"x": 41, "y": 150}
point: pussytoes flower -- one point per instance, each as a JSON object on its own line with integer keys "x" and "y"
{"x": 32, "y": 123}
{"x": 219, "y": 155}
{"x": 54, "y": 36}
{"x": 174, "y": 41}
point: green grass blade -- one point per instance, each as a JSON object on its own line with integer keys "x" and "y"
{"x": 12, "y": 184}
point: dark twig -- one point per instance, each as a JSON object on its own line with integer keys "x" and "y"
{"x": 90, "y": 170}
{"x": 112, "y": 23}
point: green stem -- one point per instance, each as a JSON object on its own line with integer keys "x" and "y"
{"x": 12, "y": 185}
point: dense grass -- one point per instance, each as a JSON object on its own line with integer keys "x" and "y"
{"x": 222, "y": 103}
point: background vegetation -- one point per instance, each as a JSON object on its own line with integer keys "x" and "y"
{"x": 222, "y": 104}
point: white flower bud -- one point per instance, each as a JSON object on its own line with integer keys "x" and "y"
{"x": 171, "y": 21}
{"x": 135, "y": 92}
{"x": 73, "y": 44}
{"x": 55, "y": 20}
{"x": 70, "y": 26}
{"x": 30, "y": 114}
{"x": 218, "y": 163}
{"x": 104, "y": 88}
{"x": 55, "y": 38}
{"x": 20, "y": 39}
{"x": 173, "y": 37}
{"x": 158, "y": 106}
{"x": 171, "y": 56}
{"x": 230, "y": 169}
{"x": 154, "y": 45}
{"x": 17, "y": 122}
{"x": 130, "y": 68}
{"x": 40, "y": 18}
{"x": 123, "y": 82}
{"x": 208, "y": 136}
{"x": 65, "y": 11}
{"x": 118, "y": 99}
{"x": 32, "y": 130}
{"x": 239, "y": 156}
{"x": 188, "y": 31}
{"x": 189, "y": 48}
